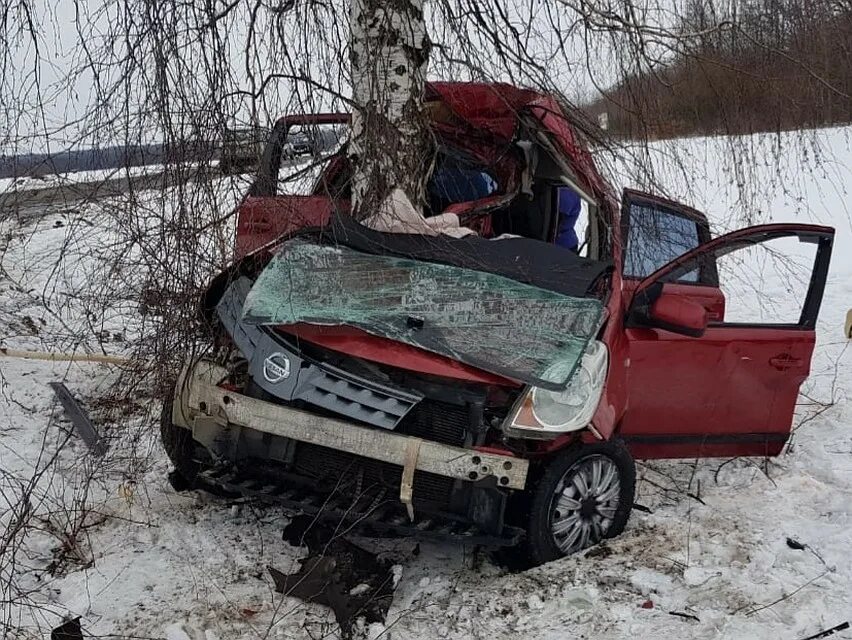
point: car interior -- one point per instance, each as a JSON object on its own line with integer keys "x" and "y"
{"x": 459, "y": 177}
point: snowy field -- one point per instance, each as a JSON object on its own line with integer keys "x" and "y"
{"x": 113, "y": 543}
{"x": 75, "y": 177}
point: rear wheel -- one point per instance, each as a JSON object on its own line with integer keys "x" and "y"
{"x": 584, "y": 496}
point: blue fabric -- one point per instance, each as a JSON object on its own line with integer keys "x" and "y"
{"x": 454, "y": 184}
{"x": 569, "y": 211}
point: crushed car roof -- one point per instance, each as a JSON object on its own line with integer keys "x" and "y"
{"x": 495, "y": 108}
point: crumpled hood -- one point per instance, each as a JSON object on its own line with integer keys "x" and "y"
{"x": 485, "y": 320}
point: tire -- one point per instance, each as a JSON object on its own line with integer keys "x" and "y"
{"x": 595, "y": 467}
{"x": 189, "y": 458}
{"x": 179, "y": 445}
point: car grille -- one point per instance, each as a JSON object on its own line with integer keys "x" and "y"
{"x": 437, "y": 421}
{"x": 321, "y": 385}
{"x": 334, "y": 468}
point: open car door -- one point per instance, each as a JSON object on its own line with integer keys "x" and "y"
{"x": 724, "y": 381}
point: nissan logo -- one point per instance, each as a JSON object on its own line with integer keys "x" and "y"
{"x": 276, "y": 367}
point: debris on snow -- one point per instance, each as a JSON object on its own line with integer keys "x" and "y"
{"x": 795, "y": 544}
{"x": 353, "y": 582}
{"x": 686, "y": 616}
{"x": 829, "y": 632}
{"x": 69, "y": 630}
{"x": 79, "y": 418}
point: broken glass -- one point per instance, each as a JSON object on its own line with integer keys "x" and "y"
{"x": 484, "y": 320}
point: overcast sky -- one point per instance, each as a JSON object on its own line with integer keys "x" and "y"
{"x": 48, "y": 83}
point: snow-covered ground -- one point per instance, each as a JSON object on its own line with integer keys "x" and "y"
{"x": 74, "y": 177}
{"x": 143, "y": 561}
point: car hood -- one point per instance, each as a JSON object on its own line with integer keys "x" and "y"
{"x": 486, "y": 320}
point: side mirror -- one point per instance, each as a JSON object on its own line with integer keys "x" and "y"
{"x": 653, "y": 307}
{"x": 679, "y": 315}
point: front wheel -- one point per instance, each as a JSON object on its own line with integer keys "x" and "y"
{"x": 584, "y": 495}
{"x": 179, "y": 446}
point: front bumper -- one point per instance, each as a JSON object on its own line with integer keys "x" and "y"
{"x": 217, "y": 417}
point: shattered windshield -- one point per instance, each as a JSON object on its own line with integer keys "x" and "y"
{"x": 487, "y": 321}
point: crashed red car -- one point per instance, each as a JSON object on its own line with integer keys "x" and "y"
{"x": 492, "y": 388}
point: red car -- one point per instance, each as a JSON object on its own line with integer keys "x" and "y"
{"x": 493, "y": 388}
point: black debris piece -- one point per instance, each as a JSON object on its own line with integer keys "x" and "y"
{"x": 829, "y": 632}
{"x": 69, "y": 630}
{"x": 337, "y": 573}
{"x": 79, "y": 418}
{"x": 687, "y": 616}
{"x": 795, "y": 544}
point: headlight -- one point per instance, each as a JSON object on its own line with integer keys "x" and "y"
{"x": 541, "y": 413}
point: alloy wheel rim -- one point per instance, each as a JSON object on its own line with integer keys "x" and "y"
{"x": 584, "y": 503}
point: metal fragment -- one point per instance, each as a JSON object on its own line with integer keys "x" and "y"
{"x": 79, "y": 418}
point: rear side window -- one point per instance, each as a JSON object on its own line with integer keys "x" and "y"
{"x": 655, "y": 237}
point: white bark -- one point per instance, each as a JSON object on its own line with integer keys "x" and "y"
{"x": 390, "y": 144}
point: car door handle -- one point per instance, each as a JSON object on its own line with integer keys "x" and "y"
{"x": 784, "y": 361}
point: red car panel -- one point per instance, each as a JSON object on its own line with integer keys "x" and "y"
{"x": 716, "y": 389}
{"x": 264, "y": 220}
{"x": 361, "y": 344}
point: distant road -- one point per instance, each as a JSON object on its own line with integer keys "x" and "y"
{"x": 32, "y": 203}
{"x": 29, "y": 203}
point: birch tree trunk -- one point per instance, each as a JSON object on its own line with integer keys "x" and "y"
{"x": 390, "y": 144}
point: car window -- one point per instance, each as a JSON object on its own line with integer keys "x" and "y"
{"x": 655, "y": 237}
{"x": 763, "y": 283}
{"x": 489, "y": 321}
{"x": 305, "y": 154}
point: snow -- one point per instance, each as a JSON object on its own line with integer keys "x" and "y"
{"x": 149, "y": 562}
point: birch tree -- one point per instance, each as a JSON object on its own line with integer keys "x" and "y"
{"x": 390, "y": 142}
